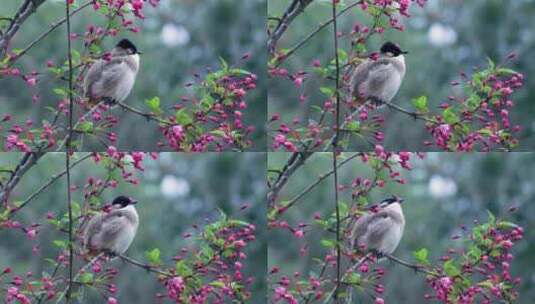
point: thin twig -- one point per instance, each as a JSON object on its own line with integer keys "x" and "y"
{"x": 47, "y": 184}
{"x": 147, "y": 267}
{"x": 50, "y": 30}
{"x": 149, "y": 116}
{"x": 294, "y": 9}
{"x": 296, "y": 160}
{"x": 68, "y": 154}
{"x": 309, "y": 188}
{"x": 335, "y": 151}
{"x": 414, "y": 115}
{"x": 26, "y": 10}
{"x": 27, "y": 161}
{"x": 322, "y": 25}
{"x": 415, "y": 267}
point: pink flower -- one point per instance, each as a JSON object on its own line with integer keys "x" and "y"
{"x": 31, "y": 233}
{"x": 299, "y": 234}
{"x": 112, "y": 300}
{"x": 175, "y": 287}
{"x": 32, "y": 81}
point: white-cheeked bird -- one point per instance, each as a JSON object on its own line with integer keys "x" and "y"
{"x": 378, "y": 81}
{"x": 111, "y": 79}
{"x": 112, "y": 232}
{"x": 380, "y": 231}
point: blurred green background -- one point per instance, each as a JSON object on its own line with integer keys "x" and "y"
{"x": 178, "y": 38}
{"x": 443, "y": 191}
{"x": 446, "y": 37}
{"x": 175, "y": 192}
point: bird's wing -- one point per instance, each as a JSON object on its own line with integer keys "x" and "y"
{"x": 369, "y": 226}
{"x": 363, "y": 70}
{"x": 380, "y": 224}
{"x": 93, "y": 227}
{"x": 104, "y": 76}
{"x": 382, "y": 69}
{"x": 92, "y": 76}
{"x": 111, "y": 226}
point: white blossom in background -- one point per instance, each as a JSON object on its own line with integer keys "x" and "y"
{"x": 174, "y": 35}
{"x": 441, "y": 35}
{"x": 442, "y": 187}
{"x": 173, "y": 187}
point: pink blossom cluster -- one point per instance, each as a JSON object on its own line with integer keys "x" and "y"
{"x": 220, "y": 115}
{"x": 480, "y": 122}
{"x": 488, "y": 268}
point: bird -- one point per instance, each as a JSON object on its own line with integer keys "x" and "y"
{"x": 380, "y": 231}
{"x": 379, "y": 80}
{"x": 111, "y": 232}
{"x": 111, "y": 79}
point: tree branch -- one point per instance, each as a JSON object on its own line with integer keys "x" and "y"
{"x": 148, "y": 116}
{"x": 147, "y": 267}
{"x": 68, "y": 153}
{"x": 46, "y": 185}
{"x": 27, "y": 8}
{"x": 28, "y": 160}
{"x": 335, "y": 152}
{"x": 292, "y": 201}
{"x": 296, "y": 160}
{"x": 50, "y": 30}
{"x": 322, "y": 25}
{"x": 294, "y": 10}
{"x": 415, "y": 267}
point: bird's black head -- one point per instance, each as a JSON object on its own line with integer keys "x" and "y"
{"x": 390, "y": 200}
{"x": 128, "y": 46}
{"x": 123, "y": 201}
{"x": 392, "y": 48}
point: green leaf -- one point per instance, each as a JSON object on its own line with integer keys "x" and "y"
{"x": 492, "y": 218}
{"x": 504, "y": 224}
{"x": 421, "y": 256}
{"x": 153, "y": 256}
{"x": 224, "y": 64}
{"x": 60, "y": 244}
{"x": 154, "y": 104}
{"x": 217, "y": 284}
{"x": 87, "y": 277}
{"x": 420, "y": 103}
{"x": 505, "y": 71}
{"x": 183, "y": 118}
{"x": 491, "y": 63}
{"x": 328, "y": 243}
{"x": 206, "y": 103}
{"x": 451, "y": 269}
{"x": 60, "y": 92}
{"x": 327, "y": 91}
{"x": 450, "y": 117}
{"x": 182, "y": 269}
{"x": 353, "y": 126}
{"x": 86, "y": 127}
{"x": 206, "y": 253}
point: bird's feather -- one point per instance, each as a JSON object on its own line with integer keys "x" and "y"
{"x": 363, "y": 225}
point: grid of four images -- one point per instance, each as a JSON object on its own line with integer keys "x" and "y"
{"x": 266, "y": 151}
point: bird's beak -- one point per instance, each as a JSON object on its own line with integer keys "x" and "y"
{"x": 400, "y": 200}
{"x": 139, "y": 53}
{"x": 133, "y": 202}
{"x": 404, "y": 52}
